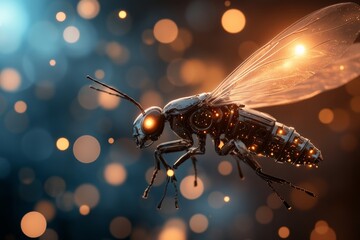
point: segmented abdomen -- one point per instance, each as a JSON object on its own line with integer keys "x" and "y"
{"x": 262, "y": 134}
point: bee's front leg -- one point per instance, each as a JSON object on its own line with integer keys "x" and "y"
{"x": 167, "y": 147}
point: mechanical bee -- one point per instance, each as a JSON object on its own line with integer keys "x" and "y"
{"x": 315, "y": 54}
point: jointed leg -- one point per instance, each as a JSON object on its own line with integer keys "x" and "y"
{"x": 172, "y": 146}
{"x": 249, "y": 159}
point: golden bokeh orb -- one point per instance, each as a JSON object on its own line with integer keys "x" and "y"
{"x": 233, "y": 21}
{"x": 33, "y": 224}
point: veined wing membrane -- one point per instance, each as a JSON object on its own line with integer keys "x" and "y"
{"x": 289, "y": 62}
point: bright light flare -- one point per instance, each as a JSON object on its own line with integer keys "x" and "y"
{"x": 60, "y": 16}
{"x": 226, "y": 199}
{"x": 52, "y": 62}
{"x": 122, "y": 14}
{"x": 170, "y": 173}
{"x": 300, "y": 50}
{"x": 149, "y": 123}
{"x": 62, "y": 144}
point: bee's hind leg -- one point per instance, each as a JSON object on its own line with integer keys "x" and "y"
{"x": 249, "y": 159}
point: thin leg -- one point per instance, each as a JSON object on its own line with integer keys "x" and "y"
{"x": 172, "y": 146}
{"x": 167, "y": 147}
{"x": 193, "y": 159}
{"x": 237, "y": 159}
{"x": 164, "y": 194}
{"x": 146, "y": 192}
{"x": 249, "y": 159}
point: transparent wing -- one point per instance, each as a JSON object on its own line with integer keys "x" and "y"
{"x": 332, "y": 76}
{"x": 295, "y": 65}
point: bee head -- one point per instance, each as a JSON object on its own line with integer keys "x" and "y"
{"x": 148, "y": 127}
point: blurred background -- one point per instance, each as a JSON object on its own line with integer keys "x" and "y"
{"x": 69, "y": 168}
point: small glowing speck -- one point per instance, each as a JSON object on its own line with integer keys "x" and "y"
{"x": 20, "y": 106}
{"x": 341, "y": 67}
{"x": 84, "y": 210}
{"x": 300, "y": 50}
{"x": 226, "y": 199}
{"x": 122, "y": 14}
{"x": 52, "y": 62}
{"x": 60, "y": 16}
{"x": 99, "y": 74}
{"x": 111, "y": 140}
{"x": 62, "y": 144}
{"x": 170, "y": 173}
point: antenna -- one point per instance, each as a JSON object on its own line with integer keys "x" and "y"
{"x": 117, "y": 94}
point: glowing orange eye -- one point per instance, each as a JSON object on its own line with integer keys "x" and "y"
{"x": 149, "y": 124}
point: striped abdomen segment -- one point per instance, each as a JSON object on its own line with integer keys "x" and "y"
{"x": 262, "y": 134}
{"x": 287, "y": 145}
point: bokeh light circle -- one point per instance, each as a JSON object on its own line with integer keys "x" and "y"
{"x": 264, "y": 215}
{"x": 33, "y": 224}
{"x": 84, "y": 210}
{"x": 120, "y": 227}
{"x": 165, "y": 31}
{"x": 115, "y": 174}
{"x": 233, "y": 21}
{"x": 71, "y": 34}
{"x": 326, "y": 115}
{"x": 188, "y": 190}
{"x": 86, "y": 149}
{"x": 88, "y": 9}
{"x": 46, "y": 208}
{"x": 20, "y": 106}
{"x": 10, "y": 79}
{"x": 198, "y": 223}
{"x": 60, "y": 16}
{"x": 62, "y": 144}
{"x": 87, "y": 194}
{"x": 284, "y": 232}
{"x": 174, "y": 229}
{"x": 225, "y": 167}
